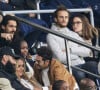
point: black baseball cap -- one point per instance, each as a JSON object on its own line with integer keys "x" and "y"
{"x": 8, "y": 51}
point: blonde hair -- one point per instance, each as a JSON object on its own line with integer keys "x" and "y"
{"x": 32, "y": 80}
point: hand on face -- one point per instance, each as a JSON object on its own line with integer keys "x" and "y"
{"x": 9, "y": 67}
{"x": 7, "y": 36}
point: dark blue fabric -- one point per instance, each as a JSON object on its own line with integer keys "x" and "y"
{"x": 5, "y": 7}
{"x": 26, "y": 29}
{"x": 90, "y": 66}
{"x": 32, "y": 34}
{"x": 79, "y": 3}
{"x": 53, "y": 4}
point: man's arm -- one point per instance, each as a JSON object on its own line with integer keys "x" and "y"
{"x": 7, "y": 36}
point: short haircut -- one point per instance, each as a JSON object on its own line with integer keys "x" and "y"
{"x": 87, "y": 84}
{"x": 7, "y": 18}
{"x": 60, "y": 8}
{"x": 57, "y": 84}
{"x": 45, "y": 52}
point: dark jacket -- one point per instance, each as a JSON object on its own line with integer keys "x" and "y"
{"x": 17, "y": 37}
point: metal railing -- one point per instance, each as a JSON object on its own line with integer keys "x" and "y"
{"x": 47, "y": 30}
{"x": 89, "y": 10}
{"x": 44, "y": 29}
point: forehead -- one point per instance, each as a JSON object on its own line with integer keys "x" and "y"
{"x": 62, "y": 13}
{"x": 12, "y": 22}
{"x": 77, "y": 18}
{"x": 38, "y": 57}
{"x": 19, "y": 61}
{"x": 24, "y": 43}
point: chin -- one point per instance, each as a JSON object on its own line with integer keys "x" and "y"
{"x": 63, "y": 26}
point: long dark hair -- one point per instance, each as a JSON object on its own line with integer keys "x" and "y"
{"x": 88, "y": 31}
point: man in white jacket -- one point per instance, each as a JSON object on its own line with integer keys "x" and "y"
{"x": 57, "y": 45}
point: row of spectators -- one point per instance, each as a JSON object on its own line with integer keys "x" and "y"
{"x": 8, "y": 5}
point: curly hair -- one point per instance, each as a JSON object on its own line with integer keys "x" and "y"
{"x": 45, "y": 52}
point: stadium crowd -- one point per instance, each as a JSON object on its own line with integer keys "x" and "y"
{"x": 34, "y": 60}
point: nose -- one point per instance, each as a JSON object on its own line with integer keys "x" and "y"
{"x": 14, "y": 29}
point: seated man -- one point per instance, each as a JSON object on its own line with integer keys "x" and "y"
{"x": 47, "y": 70}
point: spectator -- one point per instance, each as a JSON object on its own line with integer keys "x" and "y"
{"x": 23, "y": 49}
{"x": 60, "y": 85}
{"x": 5, "y": 6}
{"x": 93, "y": 4}
{"x": 8, "y": 31}
{"x": 27, "y": 82}
{"x": 87, "y": 84}
{"x": 56, "y": 43}
{"x": 47, "y": 69}
{"x": 81, "y": 25}
{"x": 7, "y": 61}
{"x": 52, "y": 4}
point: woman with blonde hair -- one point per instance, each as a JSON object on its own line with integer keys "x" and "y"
{"x": 27, "y": 82}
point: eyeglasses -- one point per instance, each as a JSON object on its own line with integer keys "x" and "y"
{"x": 78, "y": 22}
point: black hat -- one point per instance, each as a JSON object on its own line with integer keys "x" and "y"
{"x": 8, "y": 51}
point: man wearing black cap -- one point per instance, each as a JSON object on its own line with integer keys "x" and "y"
{"x": 7, "y": 61}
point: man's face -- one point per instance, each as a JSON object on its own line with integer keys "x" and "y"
{"x": 10, "y": 27}
{"x": 41, "y": 64}
{"x": 62, "y": 18}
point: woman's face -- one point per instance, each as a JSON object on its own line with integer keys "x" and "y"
{"x": 77, "y": 24}
{"x": 24, "y": 49}
{"x": 20, "y": 68}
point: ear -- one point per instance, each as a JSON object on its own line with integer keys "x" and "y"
{"x": 3, "y": 27}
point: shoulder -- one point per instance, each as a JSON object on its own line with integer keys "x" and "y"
{"x": 55, "y": 63}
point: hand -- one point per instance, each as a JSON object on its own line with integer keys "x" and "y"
{"x": 7, "y": 36}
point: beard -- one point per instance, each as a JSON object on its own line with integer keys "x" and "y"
{"x": 9, "y": 68}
